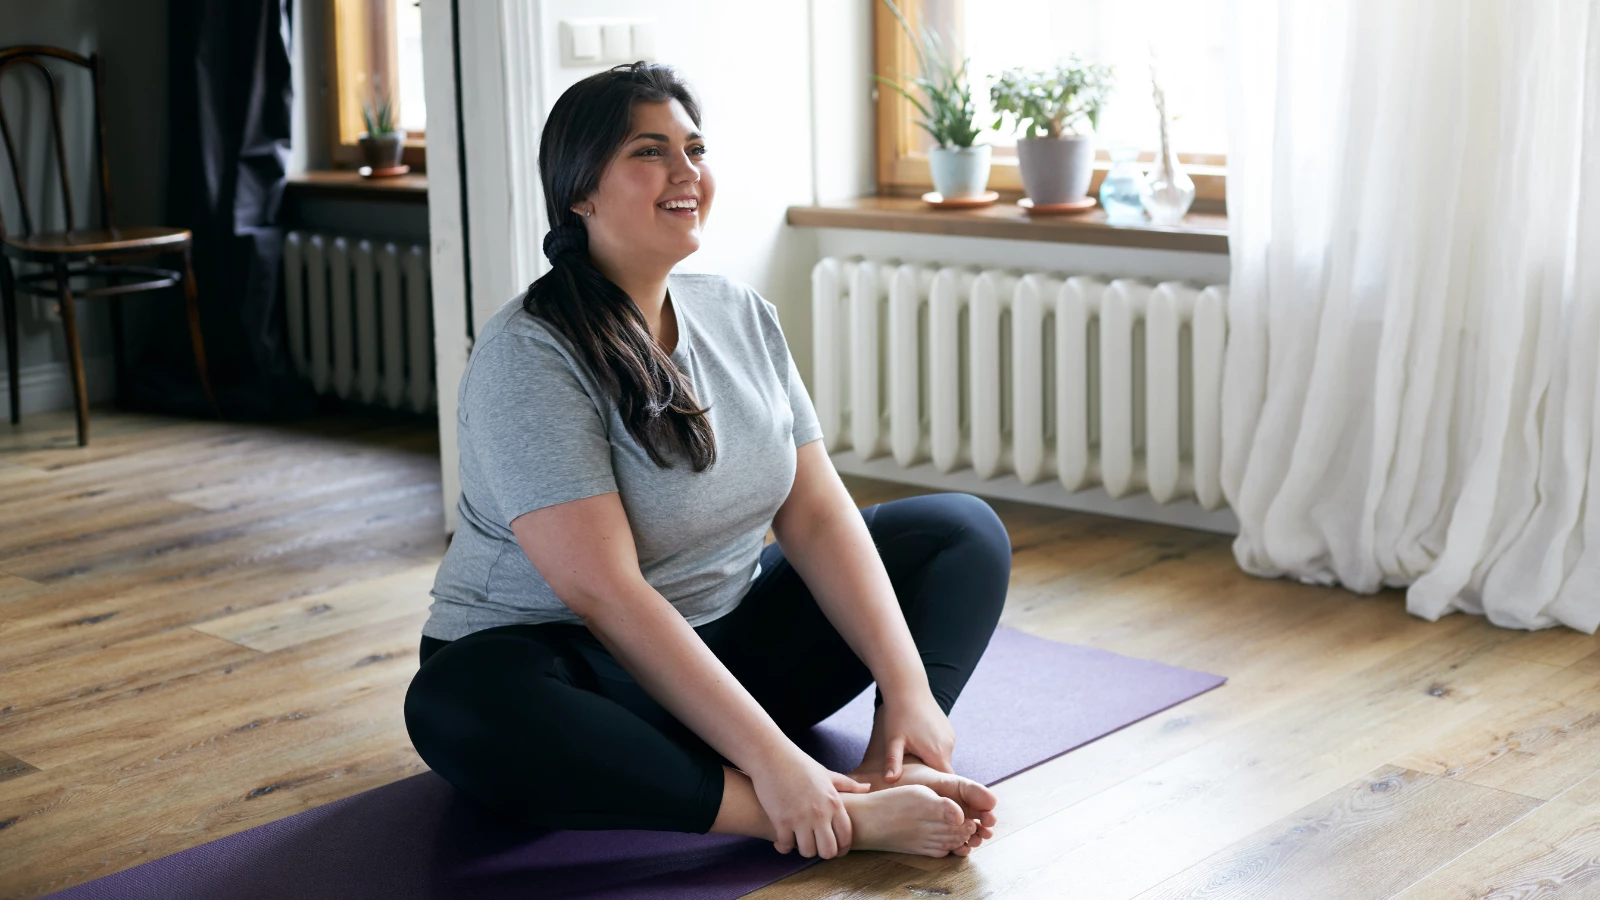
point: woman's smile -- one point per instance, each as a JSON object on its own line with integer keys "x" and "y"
{"x": 681, "y": 207}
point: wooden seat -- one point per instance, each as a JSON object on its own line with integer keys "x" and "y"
{"x": 45, "y": 247}
{"x": 97, "y": 259}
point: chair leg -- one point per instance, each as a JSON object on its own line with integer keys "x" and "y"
{"x": 8, "y": 295}
{"x": 69, "y": 320}
{"x": 195, "y": 335}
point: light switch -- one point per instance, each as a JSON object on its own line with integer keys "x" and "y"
{"x": 644, "y": 39}
{"x": 584, "y": 41}
{"x": 616, "y": 42}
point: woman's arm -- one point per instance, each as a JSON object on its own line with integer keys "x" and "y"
{"x": 824, "y": 538}
{"x": 584, "y": 549}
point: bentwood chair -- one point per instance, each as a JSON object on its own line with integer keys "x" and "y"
{"x": 97, "y": 258}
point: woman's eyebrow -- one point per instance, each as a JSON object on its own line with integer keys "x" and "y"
{"x": 693, "y": 135}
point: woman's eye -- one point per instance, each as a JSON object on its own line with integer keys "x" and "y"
{"x": 657, "y": 151}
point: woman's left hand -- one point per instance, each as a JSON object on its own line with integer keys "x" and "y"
{"x": 916, "y": 725}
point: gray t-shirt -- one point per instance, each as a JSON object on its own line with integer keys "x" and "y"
{"x": 536, "y": 429}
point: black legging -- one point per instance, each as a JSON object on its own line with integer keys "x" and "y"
{"x": 541, "y": 725}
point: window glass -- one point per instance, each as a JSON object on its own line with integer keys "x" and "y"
{"x": 1185, "y": 37}
{"x": 408, "y": 39}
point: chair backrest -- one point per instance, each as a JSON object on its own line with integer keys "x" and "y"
{"x": 34, "y": 56}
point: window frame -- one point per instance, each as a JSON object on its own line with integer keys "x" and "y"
{"x": 354, "y": 28}
{"x": 902, "y": 167}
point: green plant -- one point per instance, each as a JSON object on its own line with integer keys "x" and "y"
{"x": 378, "y": 113}
{"x": 949, "y": 112}
{"x": 1053, "y": 100}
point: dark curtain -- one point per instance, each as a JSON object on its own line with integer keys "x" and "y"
{"x": 229, "y": 112}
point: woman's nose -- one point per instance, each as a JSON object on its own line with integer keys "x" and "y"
{"x": 684, "y": 170}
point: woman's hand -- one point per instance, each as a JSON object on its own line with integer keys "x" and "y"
{"x": 801, "y": 798}
{"x": 913, "y": 723}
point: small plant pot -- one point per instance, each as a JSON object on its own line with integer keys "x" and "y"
{"x": 1056, "y": 170}
{"x": 383, "y": 151}
{"x": 959, "y": 171}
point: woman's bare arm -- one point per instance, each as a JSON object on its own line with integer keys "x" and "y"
{"x": 585, "y": 551}
{"x": 824, "y": 538}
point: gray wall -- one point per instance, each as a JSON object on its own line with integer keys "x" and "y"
{"x": 131, "y": 38}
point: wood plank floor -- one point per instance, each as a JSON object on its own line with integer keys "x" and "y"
{"x": 206, "y": 626}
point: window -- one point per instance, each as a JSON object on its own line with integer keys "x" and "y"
{"x": 377, "y": 47}
{"x": 1184, "y": 37}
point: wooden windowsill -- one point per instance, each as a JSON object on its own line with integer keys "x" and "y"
{"x": 1199, "y": 232}
{"x": 347, "y": 184}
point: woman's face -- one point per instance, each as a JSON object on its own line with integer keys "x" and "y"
{"x": 662, "y": 160}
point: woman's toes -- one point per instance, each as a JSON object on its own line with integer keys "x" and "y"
{"x": 951, "y": 811}
{"x": 978, "y": 796}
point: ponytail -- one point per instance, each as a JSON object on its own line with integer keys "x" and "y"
{"x": 653, "y": 396}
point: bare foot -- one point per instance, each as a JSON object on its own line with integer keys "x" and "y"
{"x": 977, "y": 801}
{"x": 907, "y": 819}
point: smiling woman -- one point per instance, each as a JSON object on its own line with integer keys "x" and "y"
{"x": 611, "y": 297}
{"x": 611, "y": 644}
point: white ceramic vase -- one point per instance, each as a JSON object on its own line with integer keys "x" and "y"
{"x": 959, "y": 172}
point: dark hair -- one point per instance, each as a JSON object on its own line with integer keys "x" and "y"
{"x": 586, "y": 126}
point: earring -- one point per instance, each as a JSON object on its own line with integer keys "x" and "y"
{"x": 588, "y": 214}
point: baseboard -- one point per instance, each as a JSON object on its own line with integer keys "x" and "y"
{"x": 1142, "y": 507}
{"x": 48, "y": 387}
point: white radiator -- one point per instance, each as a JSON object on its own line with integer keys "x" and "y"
{"x": 1060, "y": 380}
{"x": 360, "y": 319}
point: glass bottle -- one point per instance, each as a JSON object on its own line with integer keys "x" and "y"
{"x": 1171, "y": 188}
{"x": 1124, "y": 190}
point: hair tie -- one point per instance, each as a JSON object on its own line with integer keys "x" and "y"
{"x": 565, "y": 239}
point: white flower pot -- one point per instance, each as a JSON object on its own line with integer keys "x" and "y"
{"x": 959, "y": 171}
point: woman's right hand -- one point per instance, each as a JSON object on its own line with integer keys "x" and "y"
{"x": 801, "y": 798}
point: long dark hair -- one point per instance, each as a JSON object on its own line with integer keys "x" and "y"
{"x": 585, "y": 127}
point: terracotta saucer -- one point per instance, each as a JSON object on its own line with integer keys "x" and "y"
{"x": 370, "y": 172}
{"x": 933, "y": 198}
{"x": 1049, "y": 209}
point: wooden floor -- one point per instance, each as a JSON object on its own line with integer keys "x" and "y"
{"x": 205, "y": 627}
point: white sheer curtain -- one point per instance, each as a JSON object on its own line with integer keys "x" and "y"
{"x": 1414, "y": 350}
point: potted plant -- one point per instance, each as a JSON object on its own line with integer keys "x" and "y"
{"x": 1051, "y": 105}
{"x": 959, "y": 168}
{"x": 382, "y": 143}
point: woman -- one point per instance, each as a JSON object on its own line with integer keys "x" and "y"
{"x": 610, "y": 646}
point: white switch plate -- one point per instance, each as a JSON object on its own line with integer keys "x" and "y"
{"x": 580, "y": 43}
{"x": 587, "y": 43}
{"x": 644, "y": 39}
{"x": 616, "y": 42}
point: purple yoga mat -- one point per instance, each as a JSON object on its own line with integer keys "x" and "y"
{"x": 1029, "y": 700}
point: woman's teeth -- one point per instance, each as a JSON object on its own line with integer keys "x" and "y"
{"x": 679, "y": 204}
